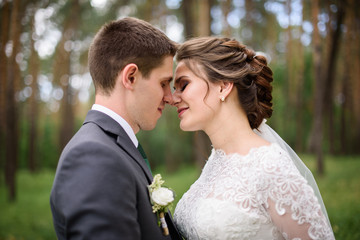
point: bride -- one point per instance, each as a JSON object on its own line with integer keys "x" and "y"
{"x": 253, "y": 185}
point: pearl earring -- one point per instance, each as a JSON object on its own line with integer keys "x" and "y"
{"x": 222, "y": 98}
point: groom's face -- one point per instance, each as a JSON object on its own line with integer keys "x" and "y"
{"x": 152, "y": 93}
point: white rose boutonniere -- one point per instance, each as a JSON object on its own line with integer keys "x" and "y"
{"x": 161, "y": 198}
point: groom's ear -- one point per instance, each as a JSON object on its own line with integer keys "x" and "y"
{"x": 129, "y": 75}
{"x": 225, "y": 88}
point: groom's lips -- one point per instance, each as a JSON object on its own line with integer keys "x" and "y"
{"x": 181, "y": 111}
{"x": 160, "y": 110}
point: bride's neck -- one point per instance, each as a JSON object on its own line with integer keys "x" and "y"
{"x": 230, "y": 131}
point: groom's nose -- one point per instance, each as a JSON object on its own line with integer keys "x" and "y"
{"x": 168, "y": 96}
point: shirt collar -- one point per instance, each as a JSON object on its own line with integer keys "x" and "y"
{"x": 129, "y": 131}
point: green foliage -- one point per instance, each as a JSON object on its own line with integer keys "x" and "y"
{"x": 285, "y": 115}
{"x": 24, "y": 143}
{"x": 277, "y": 120}
{"x": 29, "y": 217}
{"x": 167, "y": 135}
{"x": 47, "y": 152}
{"x": 47, "y": 145}
{"x": 179, "y": 181}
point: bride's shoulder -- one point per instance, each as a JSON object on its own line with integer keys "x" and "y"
{"x": 273, "y": 154}
{"x": 273, "y": 149}
{"x": 269, "y": 151}
{"x": 277, "y": 161}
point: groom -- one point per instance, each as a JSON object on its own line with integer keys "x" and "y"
{"x": 100, "y": 188}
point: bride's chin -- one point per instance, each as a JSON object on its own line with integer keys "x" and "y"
{"x": 187, "y": 128}
{"x": 183, "y": 127}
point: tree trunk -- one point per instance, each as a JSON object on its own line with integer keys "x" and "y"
{"x": 347, "y": 76}
{"x": 290, "y": 81}
{"x": 5, "y": 23}
{"x": 13, "y": 78}
{"x": 62, "y": 73}
{"x": 67, "y": 118}
{"x": 34, "y": 66}
{"x": 354, "y": 128}
{"x": 343, "y": 119}
{"x": 188, "y": 18}
{"x": 317, "y": 127}
{"x": 204, "y": 18}
{"x": 299, "y": 91}
{"x": 226, "y": 8}
{"x": 330, "y": 75}
{"x": 248, "y": 21}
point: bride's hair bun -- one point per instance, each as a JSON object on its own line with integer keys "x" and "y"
{"x": 224, "y": 59}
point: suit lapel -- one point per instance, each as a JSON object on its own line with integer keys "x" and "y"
{"x": 109, "y": 125}
{"x": 123, "y": 142}
{"x": 122, "y": 139}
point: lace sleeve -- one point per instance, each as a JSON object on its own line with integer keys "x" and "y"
{"x": 291, "y": 202}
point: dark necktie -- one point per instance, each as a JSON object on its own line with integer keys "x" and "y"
{"x": 141, "y": 150}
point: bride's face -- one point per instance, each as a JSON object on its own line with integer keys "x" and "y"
{"x": 195, "y": 98}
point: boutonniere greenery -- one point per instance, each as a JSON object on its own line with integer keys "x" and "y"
{"x": 161, "y": 199}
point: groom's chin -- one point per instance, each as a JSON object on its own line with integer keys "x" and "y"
{"x": 148, "y": 126}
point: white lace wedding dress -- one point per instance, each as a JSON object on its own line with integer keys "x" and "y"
{"x": 258, "y": 196}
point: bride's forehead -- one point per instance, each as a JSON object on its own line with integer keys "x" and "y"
{"x": 181, "y": 66}
{"x": 190, "y": 68}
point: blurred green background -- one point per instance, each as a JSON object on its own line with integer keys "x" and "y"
{"x": 46, "y": 90}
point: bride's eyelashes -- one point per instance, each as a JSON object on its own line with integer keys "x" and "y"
{"x": 181, "y": 86}
{"x": 184, "y": 86}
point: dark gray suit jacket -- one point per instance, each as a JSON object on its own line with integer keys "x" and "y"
{"x": 100, "y": 188}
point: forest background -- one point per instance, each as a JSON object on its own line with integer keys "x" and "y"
{"x": 313, "y": 48}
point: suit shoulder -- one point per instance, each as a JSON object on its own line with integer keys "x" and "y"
{"x": 93, "y": 145}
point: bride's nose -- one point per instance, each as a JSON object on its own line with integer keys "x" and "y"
{"x": 176, "y": 98}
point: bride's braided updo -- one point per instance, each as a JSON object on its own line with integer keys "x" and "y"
{"x": 224, "y": 59}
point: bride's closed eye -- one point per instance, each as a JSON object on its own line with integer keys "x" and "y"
{"x": 181, "y": 85}
{"x": 182, "y": 88}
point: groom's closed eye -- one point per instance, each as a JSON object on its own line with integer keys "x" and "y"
{"x": 166, "y": 82}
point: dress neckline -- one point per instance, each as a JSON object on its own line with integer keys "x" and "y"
{"x": 221, "y": 153}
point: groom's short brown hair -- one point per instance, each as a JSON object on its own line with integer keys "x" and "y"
{"x": 128, "y": 40}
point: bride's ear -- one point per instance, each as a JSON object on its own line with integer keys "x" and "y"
{"x": 129, "y": 75}
{"x": 225, "y": 89}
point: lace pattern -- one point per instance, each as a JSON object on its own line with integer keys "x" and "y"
{"x": 232, "y": 197}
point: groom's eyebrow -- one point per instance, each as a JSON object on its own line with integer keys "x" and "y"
{"x": 167, "y": 79}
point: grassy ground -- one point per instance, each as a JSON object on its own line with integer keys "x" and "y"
{"x": 30, "y": 217}
{"x": 340, "y": 189}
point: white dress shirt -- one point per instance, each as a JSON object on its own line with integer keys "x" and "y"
{"x": 129, "y": 131}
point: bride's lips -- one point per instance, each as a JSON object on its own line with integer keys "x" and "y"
{"x": 160, "y": 110}
{"x": 181, "y": 111}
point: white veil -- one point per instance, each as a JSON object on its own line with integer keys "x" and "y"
{"x": 267, "y": 133}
